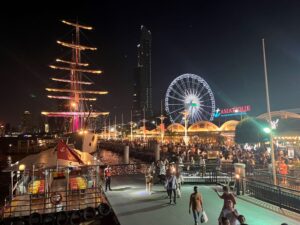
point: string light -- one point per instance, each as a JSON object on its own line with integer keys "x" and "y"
{"x": 70, "y": 114}
{"x": 77, "y": 91}
{"x": 71, "y": 81}
{"x": 80, "y": 47}
{"x": 70, "y": 98}
{"x": 72, "y": 63}
{"x": 75, "y": 69}
{"x": 77, "y": 25}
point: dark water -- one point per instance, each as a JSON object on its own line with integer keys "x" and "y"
{"x": 111, "y": 158}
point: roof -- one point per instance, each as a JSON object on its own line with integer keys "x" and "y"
{"x": 48, "y": 159}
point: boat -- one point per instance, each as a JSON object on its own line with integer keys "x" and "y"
{"x": 62, "y": 185}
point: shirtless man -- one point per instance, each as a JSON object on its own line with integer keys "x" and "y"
{"x": 196, "y": 204}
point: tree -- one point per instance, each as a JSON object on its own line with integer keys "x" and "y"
{"x": 250, "y": 130}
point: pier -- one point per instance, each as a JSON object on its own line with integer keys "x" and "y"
{"x": 134, "y": 206}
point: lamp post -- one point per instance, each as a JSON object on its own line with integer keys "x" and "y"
{"x": 269, "y": 112}
{"x": 22, "y": 169}
{"x": 144, "y": 125}
{"x": 238, "y": 187}
{"x": 131, "y": 124}
{"x": 185, "y": 117}
{"x": 162, "y": 125}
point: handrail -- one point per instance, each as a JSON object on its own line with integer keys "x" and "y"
{"x": 24, "y": 205}
{"x": 277, "y": 195}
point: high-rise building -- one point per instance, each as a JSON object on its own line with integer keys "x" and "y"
{"x": 142, "y": 95}
{"x": 26, "y": 122}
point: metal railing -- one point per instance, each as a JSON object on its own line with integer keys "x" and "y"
{"x": 27, "y": 204}
{"x": 129, "y": 169}
{"x": 191, "y": 173}
{"x": 276, "y": 195}
{"x": 283, "y": 181}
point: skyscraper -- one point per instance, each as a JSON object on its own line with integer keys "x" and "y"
{"x": 26, "y": 122}
{"x": 142, "y": 96}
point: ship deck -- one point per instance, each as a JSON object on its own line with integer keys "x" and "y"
{"x": 133, "y": 206}
{"x": 24, "y": 205}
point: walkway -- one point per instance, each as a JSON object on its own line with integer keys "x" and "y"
{"x": 133, "y": 206}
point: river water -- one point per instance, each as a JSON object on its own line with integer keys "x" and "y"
{"x": 111, "y": 158}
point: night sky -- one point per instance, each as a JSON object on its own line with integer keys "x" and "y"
{"x": 218, "y": 40}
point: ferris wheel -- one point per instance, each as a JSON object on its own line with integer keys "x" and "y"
{"x": 192, "y": 94}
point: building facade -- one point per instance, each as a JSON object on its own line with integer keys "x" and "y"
{"x": 142, "y": 93}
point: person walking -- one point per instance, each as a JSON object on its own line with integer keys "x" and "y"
{"x": 230, "y": 213}
{"x": 180, "y": 180}
{"x": 202, "y": 165}
{"x": 149, "y": 180}
{"x": 283, "y": 171}
{"x": 242, "y": 220}
{"x": 196, "y": 204}
{"x": 171, "y": 185}
{"x": 226, "y": 196}
{"x": 107, "y": 176}
{"x": 162, "y": 171}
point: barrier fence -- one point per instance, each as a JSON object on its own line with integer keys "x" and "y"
{"x": 276, "y": 195}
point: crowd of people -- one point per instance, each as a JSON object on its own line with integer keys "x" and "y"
{"x": 167, "y": 171}
{"x": 173, "y": 180}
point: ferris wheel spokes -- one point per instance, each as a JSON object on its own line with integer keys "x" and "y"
{"x": 189, "y": 92}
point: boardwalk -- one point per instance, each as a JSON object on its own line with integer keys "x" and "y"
{"x": 133, "y": 206}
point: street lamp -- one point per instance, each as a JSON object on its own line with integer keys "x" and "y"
{"x": 238, "y": 187}
{"x": 185, "y": 118}
{"x": 269, "y": 112}
{"x": 238, "y": 111}
{"x": 267, "y": 130}
{"x": 22, "y": 169}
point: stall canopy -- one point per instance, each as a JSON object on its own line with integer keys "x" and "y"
{"x": 60, "y": 156}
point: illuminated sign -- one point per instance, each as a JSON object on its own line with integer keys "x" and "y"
{"x": 234, "y": 111}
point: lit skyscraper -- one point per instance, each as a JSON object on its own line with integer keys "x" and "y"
{"x": 142, "y": 96}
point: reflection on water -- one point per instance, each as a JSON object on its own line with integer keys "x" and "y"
{"x": 111, "y": 158}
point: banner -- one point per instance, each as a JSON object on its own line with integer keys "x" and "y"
{"x": 66, "y": 153}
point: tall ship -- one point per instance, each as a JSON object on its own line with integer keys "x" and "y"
{"x": 79, "y": 99}
{"x": 62, "y": 185}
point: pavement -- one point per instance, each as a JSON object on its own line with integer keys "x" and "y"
{"x": 134, "y": 206}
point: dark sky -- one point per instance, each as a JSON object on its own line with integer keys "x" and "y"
{"x": 218, "y": 40}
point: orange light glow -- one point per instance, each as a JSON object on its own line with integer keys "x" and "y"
{"x": 80, "y": 47}
{"x": 76, "y": 69}
{"x": 77, "y": 25}
{"x": 77, "y": 91}
{"x": 72, "y": 63}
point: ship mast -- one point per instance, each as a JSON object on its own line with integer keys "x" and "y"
{"x": 75, "y": 94}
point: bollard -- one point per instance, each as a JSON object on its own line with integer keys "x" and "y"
{"x": 9, "y": 160}
{"x": 126, "y": 154}
{"x": 157, "y": 152}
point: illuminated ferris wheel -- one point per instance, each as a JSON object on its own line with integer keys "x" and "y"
{"x": 192, "y": 94}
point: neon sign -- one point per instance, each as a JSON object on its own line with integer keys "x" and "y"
{"x": 234, "y": 111}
